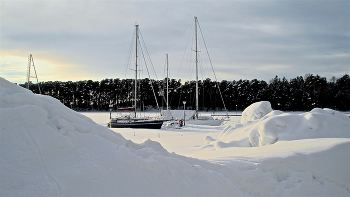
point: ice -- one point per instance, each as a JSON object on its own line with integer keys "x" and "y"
{"x": 47, "y": 149}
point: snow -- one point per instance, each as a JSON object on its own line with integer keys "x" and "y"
{"x": 279, "y": 126}
{"x": 256, "y": 111}
{"x": 177, "y": 114}
{"x": 46, "y": 149}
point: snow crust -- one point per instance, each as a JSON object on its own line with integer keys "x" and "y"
{"x": 47, "y": 149}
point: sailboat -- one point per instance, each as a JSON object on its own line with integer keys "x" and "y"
{"x": 196, "y": 119}
{"x": 131, "y": 120}
{"x": 173, "y": 117}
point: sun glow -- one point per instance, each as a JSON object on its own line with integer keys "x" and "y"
{"x": 14, "y": 69}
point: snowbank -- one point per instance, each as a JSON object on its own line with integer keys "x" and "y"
{"x": 49, "y": 150}
{"x": 256, "y": 111}
{"x": 279, "y": 126}
{"x": 314, "y": 145}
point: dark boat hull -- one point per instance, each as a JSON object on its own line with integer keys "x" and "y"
{"x": 154, "y": 124}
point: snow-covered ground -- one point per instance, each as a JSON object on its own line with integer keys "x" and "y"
{"x": 47, "y": 149}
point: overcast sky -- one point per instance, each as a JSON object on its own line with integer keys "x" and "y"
{"x": 79, "y": 40}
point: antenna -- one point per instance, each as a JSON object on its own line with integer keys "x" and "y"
{"x": 30, "y": 64}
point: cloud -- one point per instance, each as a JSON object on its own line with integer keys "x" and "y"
{"x": 253, "y": 39}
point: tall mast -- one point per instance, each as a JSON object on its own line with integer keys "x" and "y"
{"x": 30, "y": 64}
{"x": 167, "y": 85}
{"x": 137, "y": 37}
{"x": 196, "y": 50}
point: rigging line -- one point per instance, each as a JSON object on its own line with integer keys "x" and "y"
{"x": 127, "y": 63}
{"x": 187, "y": 44}
{"x": 154, "y": 94}
{"x": 149, "y": 58}
{"x": 202, "y": 62}
{"x": 172, "y": 48}
{"x": 212, "y": 69}
{"x": 183, "y": 33}
{"x": 201, "y": 65}
{"x": 128, "y": 59}
{"x": 143, "y": 54}
{"x": 37, "y": 80}
{"x": 36, "y": 76}
{"x": 189, "y": 59}
{"x": 205, "y": 69}
{"x": 165, "y": 68}
{"x": 201, "y": 71}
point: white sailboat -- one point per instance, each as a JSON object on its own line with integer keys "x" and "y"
{"x": 196, "y": 119}
{"x": 174, "y": 117}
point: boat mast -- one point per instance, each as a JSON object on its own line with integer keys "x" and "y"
{"x": 195, "y": 23}
{"x": 30, "y": 64}
{"x": 167, "y": 85}
{"x": 137, "y": 37}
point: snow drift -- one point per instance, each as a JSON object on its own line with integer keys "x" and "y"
{"x": 276, "y": 126}
{"x": 296, "y": 137}
{"x": 49, "y": 150}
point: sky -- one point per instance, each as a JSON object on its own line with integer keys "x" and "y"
{"x": 81, "y": 40}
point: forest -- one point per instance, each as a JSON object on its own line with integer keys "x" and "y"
{"x": 296, "y": 94}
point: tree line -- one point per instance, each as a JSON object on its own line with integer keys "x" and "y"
{"x": 297, "y": 94}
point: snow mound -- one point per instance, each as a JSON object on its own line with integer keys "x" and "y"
{"x": 48, "y": 149}
{"x": 21, "y": 107}
{"x": 256, "y": 111}
{"x": 318, "y": 123}
{"x": 298, "y": 151}
{"x": 279, "y": 126}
